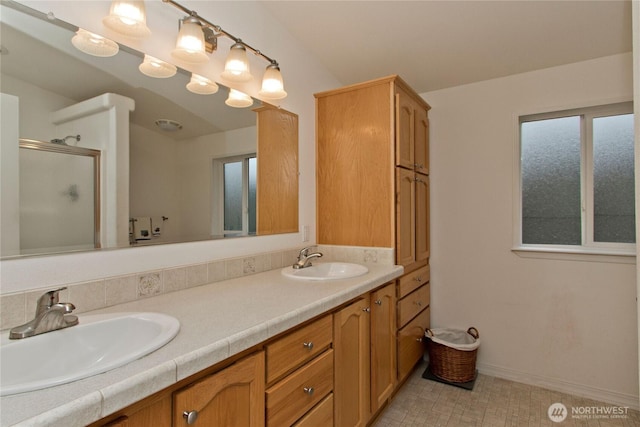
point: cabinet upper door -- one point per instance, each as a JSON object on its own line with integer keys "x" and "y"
{"x": 405, "y": 217}
{"x": 421, "y": 141}
{"x": 422, "y": 217}
{"x": 233, "y": 397}
{"x": 405, "y": 123}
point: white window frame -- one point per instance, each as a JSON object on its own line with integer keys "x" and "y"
{"x": 589, "y": 249}
{"x": 217, "y": 199}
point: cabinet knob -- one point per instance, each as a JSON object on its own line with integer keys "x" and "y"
{"x": 367, "y": 309}
{"x": 190, "y": 416}
{"x": 308, "y": 345}
{"x": 308, "y": 390}
{"x": 378, "y": 302}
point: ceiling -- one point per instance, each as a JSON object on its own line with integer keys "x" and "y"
{"x": 439, "y": 44}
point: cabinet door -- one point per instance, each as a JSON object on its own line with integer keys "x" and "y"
{"x": 421, "y": 141}
{"x": 383, "y": 345}
{"x": 405, "y": 122}
{"x": 405, "y": 217}
{"x": 351, "y": 370}
{"x": 411, "y": 345}
{"x": 277, "y": 175}
{"x": 233, "y": 397}
{"x": 422, "y": 217}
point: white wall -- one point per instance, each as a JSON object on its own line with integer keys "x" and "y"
{"x": 303, "y": 76}
{"x": 567, "y": 325}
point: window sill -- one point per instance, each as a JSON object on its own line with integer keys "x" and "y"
{"x": 619, "y": 256}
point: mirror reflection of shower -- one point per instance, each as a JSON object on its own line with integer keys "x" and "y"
{"x": 63, "y": 141}
{"x": 59, "y": 198}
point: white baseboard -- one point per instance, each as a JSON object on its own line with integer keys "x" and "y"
{"x": 601, "y": 395}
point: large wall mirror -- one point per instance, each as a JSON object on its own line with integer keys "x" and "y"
{"x": 175, "y": 166}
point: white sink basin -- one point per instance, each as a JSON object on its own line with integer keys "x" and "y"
{"x": 99, "y": 343}
{"x": 326, "y": 271}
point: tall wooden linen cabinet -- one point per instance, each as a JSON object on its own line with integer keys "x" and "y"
{"x": 372, "y": 177}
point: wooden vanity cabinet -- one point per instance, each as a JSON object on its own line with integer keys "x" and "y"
{"x": 232, "y": 397}
{"x": 335, "y": 370}
{"x": 372, "y": 165}
{"x": 365, "y": 357}
{"x": 372, "y": 154}
{"x": 300, "y": 376}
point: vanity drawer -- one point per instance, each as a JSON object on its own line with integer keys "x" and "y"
{"x": 320, "y": 415}
{"x": 296, "y": 348}
{"x": 412, "y": 281}
{"x": 412, "y": 304}
{"x": 292, "y": 397}
{"x": 411, "y": 345}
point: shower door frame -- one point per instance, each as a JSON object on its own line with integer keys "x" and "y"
{"x": 32, "y": 144}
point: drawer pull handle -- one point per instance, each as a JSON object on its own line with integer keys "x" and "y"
{"x": 419, "y": 303}
{"x": 366, "y": 309}
{"x": 308, "y": 345}
{"x": 418, "y": 279}
{"x": 190, "y": 416}
{"x": 419, "y": 339}
{"x": 308, "y": 390}
{"x": 378, "y": 302}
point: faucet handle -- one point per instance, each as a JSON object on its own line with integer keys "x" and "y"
{"x": 303, "y": 253}
{"x": 48, "y": 299}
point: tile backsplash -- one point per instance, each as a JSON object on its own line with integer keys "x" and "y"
{"x": 17, "y": 308}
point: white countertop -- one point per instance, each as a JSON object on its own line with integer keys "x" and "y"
{"x": 216, "y": 321}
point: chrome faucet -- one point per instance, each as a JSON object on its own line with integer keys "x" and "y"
{"x": 51, "y": 315}
{"x": 304, "y": 258}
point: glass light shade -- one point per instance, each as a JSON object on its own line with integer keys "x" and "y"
{"x": 236, "y": 68}
{"x": 128, "y": 18}
{"x": 93, "y": 44}
{"x": 154, "y": 67}
{"x": 190, "y": 45}
{"x": 272, "y": 85}
{"x": 201, "y": 85}
{"x": 238, "y": 99}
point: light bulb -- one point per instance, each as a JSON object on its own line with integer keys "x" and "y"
{"x": 190, "y": 46}
{"x": 128, "y": 18}
{"x": 93, "y": 44}
{"x": 236, "y": 67}
{"x": 238, "y": 99}
{"x": 201, "y": 85}
{"x": 272, "y": 85}
{"x": 154, "y": 67}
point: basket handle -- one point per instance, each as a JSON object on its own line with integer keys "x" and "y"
{"x": 473, "y": 332}
{"x": 428, "y": 332}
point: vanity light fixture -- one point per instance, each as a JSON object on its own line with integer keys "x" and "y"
{"x": 190, "y": 46}
{"x": 201, "y": 85}
{"x": 154, "y": 67}
{"x": 203, "y": 38}
{"x": 236, "y": 67}
{"x": 238, "y": 99}
{"x": 272, "y": 85}
{"x": 93, "y": 44}
{"x": 128, "y": 18}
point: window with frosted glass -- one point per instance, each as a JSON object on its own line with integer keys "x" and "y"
{"x": 613, "y": 179}
{"x": 577, "y": 178}
{"x": 233, "y": 196}
{"x": 550, "y": 156}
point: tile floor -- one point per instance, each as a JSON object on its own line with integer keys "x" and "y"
{"x": 492, "y": 402}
